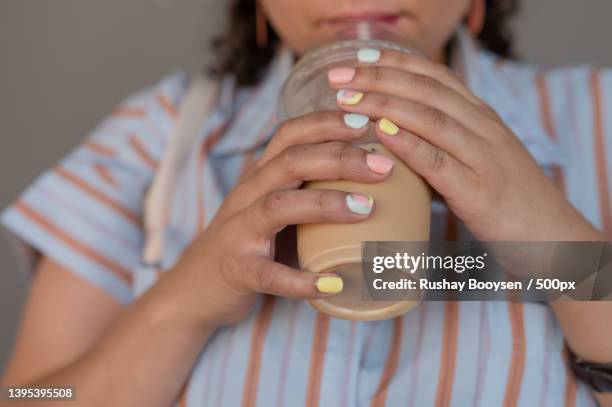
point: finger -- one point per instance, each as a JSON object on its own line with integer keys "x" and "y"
{"x": 419, "y": 65}
{"x": 448, "y": 176}
{"x": 314, "y": 127}
{"x": 328, "y": 161}
{"x": 269, "y": 277}
{"x": 430, "y": 123}
{"x": 271, "y": 213}
{"x": 416, "y": 87}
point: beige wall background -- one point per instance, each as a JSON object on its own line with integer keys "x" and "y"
{"x": 65, "y": 63}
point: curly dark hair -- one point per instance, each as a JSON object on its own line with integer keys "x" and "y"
{"x": 236, "y": 50}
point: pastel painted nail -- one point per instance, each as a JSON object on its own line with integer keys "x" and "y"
{"x": 329, "y": 285}
{"x": 348, "y": 97}
{"x": 368, "y": 55}
{"x": 359, "y": 204}
{"x": 355, "y": 121}
{"x": 340, "y": 75}
{"x": 378, "y": 163}
{"x": 388, "y": 127}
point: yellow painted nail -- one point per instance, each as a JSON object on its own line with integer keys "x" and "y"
{"x": 329, "y": 285}
{"x": 388, "y": 127}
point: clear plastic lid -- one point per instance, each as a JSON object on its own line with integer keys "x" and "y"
{"x": 363, "y": 33}
{"x": 306, "y": 89}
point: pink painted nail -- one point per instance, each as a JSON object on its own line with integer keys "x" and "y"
{"x": 379, "y": 164}
{"x": 340, "y": 75}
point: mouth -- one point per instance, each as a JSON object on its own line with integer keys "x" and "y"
{"x": 381, "y": 17}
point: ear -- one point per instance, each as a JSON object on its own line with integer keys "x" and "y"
{"x": 476, "y": 17}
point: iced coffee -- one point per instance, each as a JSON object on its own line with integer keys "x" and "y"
{"x": 402, "y": 210}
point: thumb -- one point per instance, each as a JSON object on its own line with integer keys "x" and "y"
{"x": 270, "y": 277}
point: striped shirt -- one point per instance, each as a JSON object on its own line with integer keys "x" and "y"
{"x": 86, "y": 214}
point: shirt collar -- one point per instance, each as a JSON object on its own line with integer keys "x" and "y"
{"x": 481, "y": 74}
{"x": 254, "y": 120}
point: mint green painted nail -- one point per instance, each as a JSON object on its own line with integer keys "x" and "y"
{"x": 368, "y": 55}
{"x": 355, "y": 121}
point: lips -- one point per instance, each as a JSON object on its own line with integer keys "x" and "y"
{"x": 389, "y": 18}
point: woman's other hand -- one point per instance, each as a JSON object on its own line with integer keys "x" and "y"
{"x": 232, "y": 260}
{"x": 429, "y": 119}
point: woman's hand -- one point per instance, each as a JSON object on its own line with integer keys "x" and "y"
{"x": 427, "y": 117}
{"x": 232, "y": 260}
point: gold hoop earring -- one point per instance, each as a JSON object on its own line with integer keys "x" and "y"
{"x": 261, "y": 26}
{"x": 476, "y": 17}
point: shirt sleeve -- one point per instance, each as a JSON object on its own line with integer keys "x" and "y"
{"x": 603, "y": 134}
{"x": 85, "y": 212}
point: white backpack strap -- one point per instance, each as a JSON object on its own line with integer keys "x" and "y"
{"x": 195, "y": 107}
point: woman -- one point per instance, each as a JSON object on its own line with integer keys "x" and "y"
{"x": 515, "y": 154}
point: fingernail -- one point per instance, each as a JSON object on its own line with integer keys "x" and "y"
{"x": 340, "y": 75}
{"x": 348, "y": 97}
{"x": 355, "y": 121}
{"x": 388, "y": 127}
{"x": 359, "y": 204}
{"x": 329, "y": 285}
{"x": 379, "y": 163}
{"x": 368, "y": 55}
